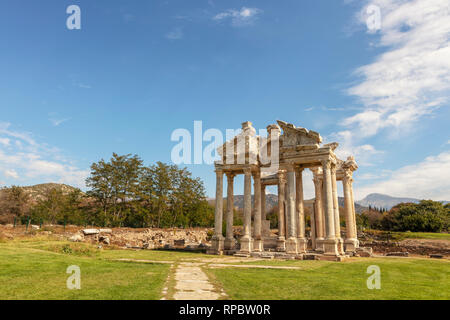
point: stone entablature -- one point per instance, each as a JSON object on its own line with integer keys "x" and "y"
{"x": 281, "y": 160}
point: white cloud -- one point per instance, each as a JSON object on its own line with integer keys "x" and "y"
{"x": 239, "y": 18}
{"x": 5, "y": 141}
{"x": 428, "y": 179}
{"x": 27, "y": 160}
{"x": 11, "y": 174}
{"x": 175, "y": 34}
{"x": 412, "y": 78}
{"x": 56, "y": 122}
{"x": 365, "y": 154}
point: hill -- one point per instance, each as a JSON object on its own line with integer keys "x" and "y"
{"x": 384, "y": 201}
{"x": 39, "y": 191}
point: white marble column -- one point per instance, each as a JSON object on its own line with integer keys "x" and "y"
{"x": 291, "y": 241}
{"x": 246, "y": 239}
{"x": 351, "y": 242}
{"x": 330, "y": 242}
{"x": 281, "y": 241}
{"x": 318, "y": 212}
{"x": 337, "y": 221}
{"x": 257, "y": 241}
{"x": 217, "y": 239}
{"x": 229, "y": 239}
{"x": 300, "y": 211}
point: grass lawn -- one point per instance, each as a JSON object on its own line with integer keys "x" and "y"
{"x": 36, "y": 269}
{"x": 28, "y": 273}
{"x": 401, "y": 278}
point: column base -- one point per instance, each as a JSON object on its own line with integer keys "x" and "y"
{"x": 281, "y": 244}
{"x": 340, "y": 245}
{"x": 258, "y": 245}
{"x": 291, "y": 245}
{"x": 246, "y": 245}
{"x": 301, "y": 245}
{"x": 229, "y": 243}
{"x": 217, "y": 243}
{"x": 351, "y": 245}
{"x": 330, "y": 247}
{"x": 319, "y": 245}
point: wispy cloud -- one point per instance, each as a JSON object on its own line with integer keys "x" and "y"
{"x": 23, "y": 159}
{"x": 56, "y": 122}
{"x": 428, "y": 179}
{"x": 175, "y": 34}
{"x": 412, "y": 78}
{"x": 239, "y": 18}
{"x": 83, "y": 86}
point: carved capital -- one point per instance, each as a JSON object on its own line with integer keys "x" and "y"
{"x": 256, "y": 174}
{"x": 326, "y": 164}
{"x": 282, "y": 176}
{"x": 219, "y": 172}
{"x": 230, "y": 176}
{"x": 247, "y": 171}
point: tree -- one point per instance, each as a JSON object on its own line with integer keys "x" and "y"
{"x": 16, "y": 202}
{"x": 113, "y": 184}
{"x": 426, "y": 216}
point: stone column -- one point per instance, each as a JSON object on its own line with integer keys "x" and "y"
{"x": 300, "y": 211}
{"x": 330, "y": 242}
{"x": 291, "y": 242}
{"x": 217, "y": 239}
{"x": 318, "y": 212}
{"x": 229, "y": 239}
{"x": 281, "y": 241}
{"x": 265, "y": 224}
{"x": 257, "y": 242}
{"x": 313, "y": 227}
{"x": 351, "y": 241}
{"x": 337, "y": 221}
{"x": 246, "y": 239}
{"x": 353, "y": 210}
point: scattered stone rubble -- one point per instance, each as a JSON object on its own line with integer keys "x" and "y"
{"x": 189, "y": 239}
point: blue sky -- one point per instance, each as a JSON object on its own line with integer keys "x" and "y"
{"x": 137, "y": 70}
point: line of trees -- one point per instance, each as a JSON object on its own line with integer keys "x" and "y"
{"x": 122, "y": 192}
{"x": 426, "y": 216}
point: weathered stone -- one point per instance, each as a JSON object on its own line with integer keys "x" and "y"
{"x": 436, "y": 256}
{"x": 88, "y": 232}
{"x": 397, "y": 254}
{"x": 76, "y": 238}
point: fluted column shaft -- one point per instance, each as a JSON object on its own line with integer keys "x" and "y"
{"x": 263, "y": 202}
{"x": 219, "y": 204}
{"x": 281, "y": 197}
{"x": 290, "y": 191}
{"x": 247, "y": 203}
{"x": 350, "y": 228}
{"x": 329, "y": 208}
{"x": 318, "y": 208}
{"x": 299, "y": 203}
{"x": 230, "y": 205}
{"x": 257, "y": 218}
{"x": 337, "y": 225}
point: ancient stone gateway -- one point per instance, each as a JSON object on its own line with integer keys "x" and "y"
{"x": 280, "y": 159}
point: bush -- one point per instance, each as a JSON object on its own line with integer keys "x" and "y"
{"x": 426, "y": 216}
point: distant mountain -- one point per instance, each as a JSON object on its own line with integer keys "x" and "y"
{"x": 272, "y": 201}
{"x": 39, "y": 191}
{"x": 379, "y": 200}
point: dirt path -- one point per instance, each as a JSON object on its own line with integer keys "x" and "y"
{"x": 191, "y": 283}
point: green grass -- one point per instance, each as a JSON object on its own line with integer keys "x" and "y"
{"x": 400, "y": 279}
{"x": 29, "y": 273}
{"x": 411, "y": 235}
{"x": 36, "y": 269}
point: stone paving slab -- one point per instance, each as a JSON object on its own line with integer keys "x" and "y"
{"x": 193, "y": 284}
{"x": 223, "y": 265}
